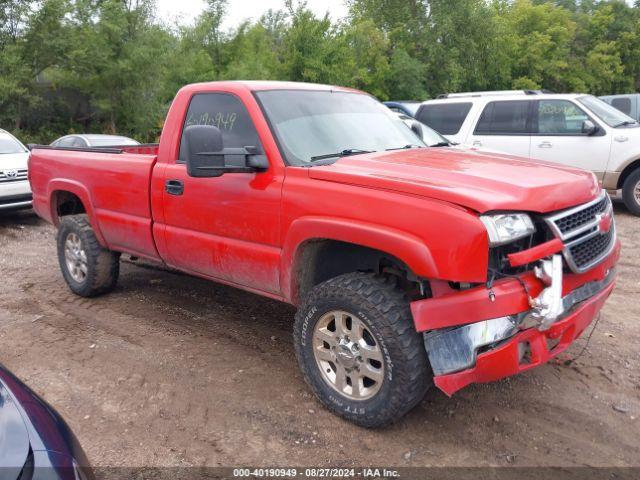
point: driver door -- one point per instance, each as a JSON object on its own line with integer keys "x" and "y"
{"x": 226, "y": 227}
{"x": 558, "y": 137}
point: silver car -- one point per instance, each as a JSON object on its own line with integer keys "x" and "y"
{"x": 93, "y": 140}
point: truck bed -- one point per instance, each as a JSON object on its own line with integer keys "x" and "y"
{"x": 114, "y": 182}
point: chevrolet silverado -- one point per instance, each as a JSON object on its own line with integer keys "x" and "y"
{"x": 410, "y": 265}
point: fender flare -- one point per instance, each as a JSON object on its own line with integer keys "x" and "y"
{"x": 627, "y": 170}
{"x": 79, "y": 190}
{"x": 404, "y": 246}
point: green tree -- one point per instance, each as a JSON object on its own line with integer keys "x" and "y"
{"x": 31, "y": 40}
{"x": 539, "y": 39}
{"x": 118, "y": 60}
{"x": 112, "y": 66}
{"x": 611, "y": 47}
{"x": 254, "y": 54}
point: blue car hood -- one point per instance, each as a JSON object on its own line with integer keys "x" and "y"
{"x": 14, "y": 436}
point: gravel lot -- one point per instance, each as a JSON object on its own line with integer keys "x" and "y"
{"x": 171, "y": 370}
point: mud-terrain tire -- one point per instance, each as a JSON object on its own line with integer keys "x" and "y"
{"x": 631, "y": 192}
{"x": 87, "y": 267}
{"x": 383, "y": 309}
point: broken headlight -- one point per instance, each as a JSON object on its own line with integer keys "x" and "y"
{"x": 507, "y": 227}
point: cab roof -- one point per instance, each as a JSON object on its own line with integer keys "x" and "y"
{"x": 262, "y": 85}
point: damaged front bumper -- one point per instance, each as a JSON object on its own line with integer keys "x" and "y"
{"x": 517, "y": 324}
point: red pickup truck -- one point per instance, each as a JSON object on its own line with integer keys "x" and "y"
{"x": 410, "y": 265}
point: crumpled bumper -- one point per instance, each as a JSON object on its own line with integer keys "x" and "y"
{"x": 527, "y": 349}
{"x": 471, "y": 338}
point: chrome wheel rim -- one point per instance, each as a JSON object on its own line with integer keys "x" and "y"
{"x": 348, "y": 355}
{"x": 636, "y": 193}
{"x": 75, "y": 258}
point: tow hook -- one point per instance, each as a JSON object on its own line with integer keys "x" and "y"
{"x": 548, "y": 306}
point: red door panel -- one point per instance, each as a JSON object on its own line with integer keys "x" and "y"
{"x": 225, "y": 227}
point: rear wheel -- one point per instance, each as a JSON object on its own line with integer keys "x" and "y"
{"x": 631, "y": 192}
{"x": 358, "y": 349}
{"x": 87, "y": 267}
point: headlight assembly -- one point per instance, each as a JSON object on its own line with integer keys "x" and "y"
{"x": 507, "y": 227}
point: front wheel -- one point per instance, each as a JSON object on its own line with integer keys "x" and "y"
{"x": 358, "y": 349}
{"x": 631, "y": 192}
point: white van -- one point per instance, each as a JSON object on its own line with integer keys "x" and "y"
{"x": 571, "y": 129}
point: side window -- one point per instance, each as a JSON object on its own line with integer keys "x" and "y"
{"x": 504, "y": 118}
{"x": 78, "y": 142}
{"x": 66, "y": 142}
{"x": 623, "y": 104}
{"x": 226, "y": 112}
{"x": 560, "y": 117}
{"x": 445, "y": 118}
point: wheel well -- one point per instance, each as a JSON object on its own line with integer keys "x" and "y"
{"x": 627, "y": 171}
{"x": 319, "y": 260}
{"x": 67, "y": 203}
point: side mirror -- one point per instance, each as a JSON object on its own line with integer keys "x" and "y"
{"x": 206, "y": 157}
{"x": 203, "y": 144}
{"x": 417, "y": 129}
{"x": 589, "y": 128}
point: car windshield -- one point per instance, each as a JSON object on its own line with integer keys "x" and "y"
{"x": 431, "y": 137}
{"x": 310, "y": 124}
{"x": 608, "y": 114}
{"x": 8, "y": 144}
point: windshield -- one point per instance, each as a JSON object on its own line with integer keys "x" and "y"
{"x": 311, "y": 124}
{"x": 608, "y": 114}
{"x": 431, "y": 137}
{"x": 8, "y": 144}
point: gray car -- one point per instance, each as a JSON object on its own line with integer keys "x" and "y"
{"x": 93, "y": 140}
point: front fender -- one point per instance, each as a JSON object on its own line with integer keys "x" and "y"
{"x": 403, "y": 246}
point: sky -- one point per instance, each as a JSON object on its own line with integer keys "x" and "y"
{"x": 185, "y": 11}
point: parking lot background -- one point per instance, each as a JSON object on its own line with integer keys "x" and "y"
{"x": 171, "y": 370}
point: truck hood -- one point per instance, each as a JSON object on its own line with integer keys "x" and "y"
{"x": 13, "y": 161}
{"x": 476, "y": 180}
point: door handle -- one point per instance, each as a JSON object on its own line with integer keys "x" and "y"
{"x": 545, "y": 145}
{"x": 477, "y": 143}
{"x": 174, "y": 187}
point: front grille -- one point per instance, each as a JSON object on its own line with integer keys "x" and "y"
{"x": 582, "y": 231}
{"x": 581, "y": 217}
{"x": 586, "y": 253}
{"x": 13, "y": 175}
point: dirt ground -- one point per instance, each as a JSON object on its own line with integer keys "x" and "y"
{"x": 171, "y": 370}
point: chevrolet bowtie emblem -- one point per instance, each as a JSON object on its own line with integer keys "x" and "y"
{"x": 606, "y": 219}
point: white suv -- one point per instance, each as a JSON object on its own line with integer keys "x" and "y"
{"x": 15, "y": 192}
{"x": 571, "y": 129}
